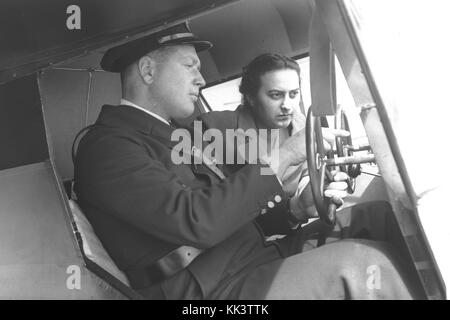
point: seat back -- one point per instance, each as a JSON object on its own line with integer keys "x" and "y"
{"x": 91, "y": 245}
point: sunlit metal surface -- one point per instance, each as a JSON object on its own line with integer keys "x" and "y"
{"x": 355, "y": 47}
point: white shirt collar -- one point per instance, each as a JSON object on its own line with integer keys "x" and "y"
{"x": 131, "y": 104}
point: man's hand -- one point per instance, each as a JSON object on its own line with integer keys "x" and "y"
{"x": 302, "y": 205}
{"x": 337, "y": 190}
{"x": 293, "y": 151}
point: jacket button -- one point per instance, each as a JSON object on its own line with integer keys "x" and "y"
{"x": 263, "y": 211}
{"x": 277, "y": 199}
{"x": 270, "y": 204}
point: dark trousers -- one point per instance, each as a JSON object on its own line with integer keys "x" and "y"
{"x": 364, "y": 257}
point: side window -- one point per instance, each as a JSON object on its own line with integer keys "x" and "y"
{"x": 345, "y": 99}
{"x": 223, "y": 96}
{"x": 226, "y": 96}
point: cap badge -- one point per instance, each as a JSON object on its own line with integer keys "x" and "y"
{"x": 175, "y": 36}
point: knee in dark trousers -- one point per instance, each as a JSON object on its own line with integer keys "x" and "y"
{"x": 374, "y": 270}
{"x": 346, "y": 269}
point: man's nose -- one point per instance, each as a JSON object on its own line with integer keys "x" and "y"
{"x": 287, "y": 105}
{"x": 199, "y": 80}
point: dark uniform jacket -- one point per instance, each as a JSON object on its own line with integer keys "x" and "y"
{"x": 143, "y": 206}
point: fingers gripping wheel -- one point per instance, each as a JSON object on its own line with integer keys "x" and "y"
{"x": 318, "y": 161}
{"x": 315, "y": 152}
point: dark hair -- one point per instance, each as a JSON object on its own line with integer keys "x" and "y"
{"x": 251, "y": 76}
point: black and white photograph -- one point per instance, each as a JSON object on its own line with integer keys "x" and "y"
{"x": 239, "y": 152}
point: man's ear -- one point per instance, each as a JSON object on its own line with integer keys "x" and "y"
{"x": 146, "y": 67}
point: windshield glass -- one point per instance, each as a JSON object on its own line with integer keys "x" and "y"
{"x": 408, "y": 56}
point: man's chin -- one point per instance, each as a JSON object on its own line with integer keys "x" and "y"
{"x": 282, "y": 124}
{"x": 185, "y": 113}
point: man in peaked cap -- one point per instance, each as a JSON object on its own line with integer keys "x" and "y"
{"x": 188, "y": 231}
{"x": 120, "y": 57}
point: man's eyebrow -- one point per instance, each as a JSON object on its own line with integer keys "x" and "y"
{"x": 281, "y": 90}
{"x": 197, "y": 61}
